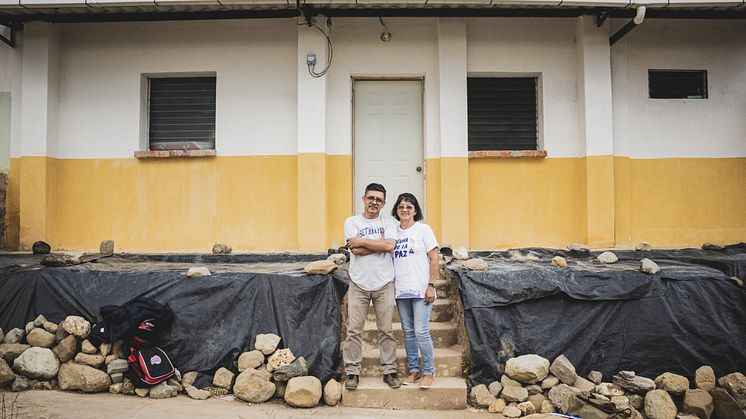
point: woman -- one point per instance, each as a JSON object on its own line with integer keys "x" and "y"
{"x": 416, "y": 269}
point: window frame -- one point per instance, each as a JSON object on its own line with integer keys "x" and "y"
{"x": 705, "y": 83}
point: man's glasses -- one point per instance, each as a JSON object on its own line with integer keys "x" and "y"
{"x": 374, "y": 199}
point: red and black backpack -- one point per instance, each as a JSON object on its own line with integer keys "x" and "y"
{"x": 149, "y": 364}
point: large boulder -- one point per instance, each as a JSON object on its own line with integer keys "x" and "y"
{"x": 583, "y": 385}
{"x": 14, "y": 336}
{"x": 303, "y": 391}
{"x": 673, "y": 383}
{"x": 514, "y": 394}
{"x": 163, "y": 391}
{"x": 196, "y": 394}
{"x": 564, "y": 398}
{"x": 253, "y": 386}
{"x": 332, "y": 392}
{"x": 74, "y": 376}
{"x": 726, "y": 406}
{"x": 77, "y": 326}
{"x": 223, "y": 378}
{"x": 37, "y": 363}
{"x": 267, "y": 343}
{"x": 735, "y": 383}
{"x": 66, "y": 349}
{"x": 40, "y": 337}
{"x": 527, "y": 369}
{"x": 88, "y": 348}
{"x": 704, "y": 378}
{"x": 563, "y": 369}
{"x": 95, "y": 361}
{"x": 549, "y": 382}
{"x": 296, "y": 368}
{"x": 320, "y": 267}
{"x": 6, "y": 374}
{"x": 633, "y": 383}
{"x": 10, "y": 351}
{"x": 699, "y": 403}
{"x": 251, "y": 359}
{"x": 481, "y": 396}
{"x": 659, "y": 405}
{"x": 280, "y": 358}
{"x": 41, "y": 248}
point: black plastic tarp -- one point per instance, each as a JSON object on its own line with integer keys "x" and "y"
{"x": 215, "y": 318}
{"x": 607, "y": 317}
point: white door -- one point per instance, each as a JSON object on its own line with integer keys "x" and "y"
{"x": 388, "y": 139}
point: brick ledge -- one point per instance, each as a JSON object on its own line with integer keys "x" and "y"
{"x": 507, "y": 154}
{"x": 164, "y": 154}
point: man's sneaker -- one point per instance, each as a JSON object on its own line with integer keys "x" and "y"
{"x": 427, "y": 381}
{"x": 392, "y": 380}
{"x": 351, "y": 382}
{"x": 410, "y": 379}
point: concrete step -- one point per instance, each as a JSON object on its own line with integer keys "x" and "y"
{"x": 443, "y": 288}
{"x": 447, "y": 362}
{"x": 443, "y": 334}
{"x": 372, "y": 392}
{"x": 442, "y": 311}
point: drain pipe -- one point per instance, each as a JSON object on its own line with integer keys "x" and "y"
{"x": 639, "y": 17}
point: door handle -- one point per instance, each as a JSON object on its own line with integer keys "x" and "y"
{"x": 419, "y": 169}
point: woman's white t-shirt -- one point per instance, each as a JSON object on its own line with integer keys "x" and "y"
{"x": 411, "y": 265}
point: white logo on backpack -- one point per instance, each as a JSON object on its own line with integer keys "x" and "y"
{"x": 155, "y": 360}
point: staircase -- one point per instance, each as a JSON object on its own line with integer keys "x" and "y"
{"x": 449, "y": 389}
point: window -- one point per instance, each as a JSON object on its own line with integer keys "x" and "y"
{"x": 502, "y": 113}
{"x": 181, "y": 113}
{"x": 677, "y": 84}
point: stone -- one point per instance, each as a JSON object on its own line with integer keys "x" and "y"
{"x": 216, "y": 391}
{"x": 537, "y": 399}
{"x": 81, "y": 377}
{"x": 29, "y": 327}
{"x": 280, "y": 358}
{"x": 41, "y": 248}
{"x": 196, "y": 394}
{"x": 198, "y": 272}
{"x": 189, "y": 378}
{"x": 649, "y": 267}
{"x": 507, "y": 381}
{"x": 117, "y": 366}
{"x": 115, "y": 388}
{"x": 609, "y": 390}
{"x": 643, "y": 247}
{"x": 686, "y": 416}
{"x": 40, "y": 338}
{"x": 173, "y": 382}
{"x": 596, "y": 377}
{"x": 549, "y": 382}
{"x": 162, "y": 391}
{"x": 698, "y": 402}
{"x": 332, "y": 392}
{"x": 251, "y": 359}
{"x": 547, "y": 407}
{"x": 563, "y": 369}
{"x": 737, "y": 281}
{"x": 267, "y": 343}
{"x": 589, "y": 411}
{"x": 63, "y": 259}
{"x": 583, "y": 385}
{"x": 621, "y": 402}
{"x": 105, "y": 349}
{"x": 526, "y": 408}
{"x": 42, "y": 384}
{"x": 128, "y": 388}
{"x": 109, "y": 359}
{"x": 563, "y": 398}
{"x": 337, "y": 258}
{"x": 296, "y": 368}
{"x": 495, "y": 388}
{"x": 77, "y": 326}
{"x": 117, "y": 377}
{"x": 712, "y": 246}
{"x": 481, "y": 396}
{"x": 10, "y": 351}
{"x": 39, "y": 363}
{"x": 253, "y": 387}
{"x": 117, "y": 348}
{"x": 460, "y": 253}
{"x": 633, "y": 383}
{"x": 726, "y": 407}
{"x": 280, "y": 390}
{"x": 60, "y": 333}
{"x": 320, "y": 267}
{"x": 95, "y": 361}
{"x": 39, "y": 321}
{"x": 607, "y": 257}
{"x": 106, "y": 247}
{"x": 673, "y": 383}
{"x": 735, "y": 383}
{"x": 142, "y": 392}
{"x": 578, "y": 247}
{"x": 704, "y": 378}
{"x": 303, "y": 391}
{"x": 50, "y": 327}
{"x": 512, "y": 412}
{"x": 527, "y": 369}
{"x": 6, "y": 374}
{"x": 533, "y": 389}
{"x": 221, "y": 249}
{"x": 659, "y": 405}
{"x": 559, "y": 262}
{"x": 514, "y": 394}
{"x": 497, "y": 406}
{"x": 475, "y": 264}
{"x": 636, "y": 401}
{"x": 223, "y": 378}
{"x": 14, "y": 336}
{"x": 20, "y": 383}
{"x": 2, "y": 335}
{"x": 88, "y": 348}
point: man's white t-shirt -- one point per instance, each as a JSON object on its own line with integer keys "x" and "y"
{"x": 411, "y": 264}
{"x": 371, "y": 272}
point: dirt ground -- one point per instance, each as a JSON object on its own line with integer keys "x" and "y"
{"x": 58, "y": 404}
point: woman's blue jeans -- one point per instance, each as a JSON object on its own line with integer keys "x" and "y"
{"x": 415, "y": 323}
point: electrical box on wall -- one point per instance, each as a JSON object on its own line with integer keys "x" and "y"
{"x": 311, "y": 58}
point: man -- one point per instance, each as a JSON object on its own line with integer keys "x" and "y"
{"x": 370, "y": 237}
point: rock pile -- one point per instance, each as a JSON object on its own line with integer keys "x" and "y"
{"x": 532, "y": 385}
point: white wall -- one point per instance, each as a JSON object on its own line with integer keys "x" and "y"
{"x": 101, "y": 67}
{"x": 544, "y": 47}
{"x": 658, "y": 128}
{"x": 10, "y": 72}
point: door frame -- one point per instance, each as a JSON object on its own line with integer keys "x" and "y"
{"x": 421, "y": 79}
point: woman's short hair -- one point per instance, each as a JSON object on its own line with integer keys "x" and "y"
{"x": 407, "y": 197}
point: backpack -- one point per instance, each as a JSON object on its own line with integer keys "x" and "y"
{"x": 149, "y": 364}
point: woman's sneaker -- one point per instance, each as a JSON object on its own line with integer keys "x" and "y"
{"x": 410, "y": 379}
{"x": 427, "y": 381}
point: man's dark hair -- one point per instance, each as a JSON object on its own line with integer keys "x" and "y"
{"x": 375, "y": 187}
{"x": 407, "y": 197}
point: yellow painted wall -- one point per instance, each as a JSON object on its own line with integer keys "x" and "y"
{"x": 339, "y": 204}
{"x": 13, "y": 205}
